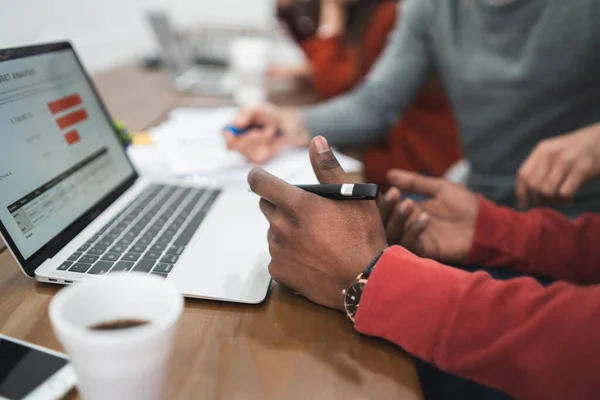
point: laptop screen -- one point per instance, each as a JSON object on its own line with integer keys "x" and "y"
{"x": 59, "y": 155}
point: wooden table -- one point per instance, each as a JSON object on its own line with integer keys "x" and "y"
{"x": 283, "y": 348}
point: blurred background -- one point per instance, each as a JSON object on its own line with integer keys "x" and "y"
{"x": 109, "y": 33}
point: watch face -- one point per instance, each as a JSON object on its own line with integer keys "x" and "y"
{"x": 352, "y": 298}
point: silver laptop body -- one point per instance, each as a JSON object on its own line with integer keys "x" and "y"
{"x": 72, "y": 207}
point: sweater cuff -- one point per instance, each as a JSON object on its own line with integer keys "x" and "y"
{"x": 503, "y": 237}
{"x": 407, "y": 301}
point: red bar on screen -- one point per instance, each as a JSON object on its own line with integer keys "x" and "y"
{"x": 72, "y": 118}
{"x": 65, "y": 103}
{"x": 72, "y": 137}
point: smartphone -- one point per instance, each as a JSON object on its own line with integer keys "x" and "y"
{"x": 31, "y": 372}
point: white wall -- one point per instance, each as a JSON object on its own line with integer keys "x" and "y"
{"x": 110, "y": 32}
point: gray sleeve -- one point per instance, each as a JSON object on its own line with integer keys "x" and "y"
{"x": 366, "y": 114}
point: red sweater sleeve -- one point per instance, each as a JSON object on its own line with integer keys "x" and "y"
{"x": 337, "y": 66}
{"x": 541, "y": 242}
{"x": 528, "y": 341}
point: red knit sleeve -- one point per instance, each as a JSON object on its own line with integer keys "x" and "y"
{"x": 526, "y": 340}
{"x": 540, "y": 241}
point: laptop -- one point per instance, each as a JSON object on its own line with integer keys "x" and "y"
{"x": 72, "y": 206}
{"x": 193, "y": 73}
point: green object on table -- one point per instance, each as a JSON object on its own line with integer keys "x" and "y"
{"x": 126, "y": 136}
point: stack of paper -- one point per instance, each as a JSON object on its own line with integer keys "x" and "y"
{"x": 190, "y": 145}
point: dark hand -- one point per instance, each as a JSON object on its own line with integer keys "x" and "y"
{"x": 318, "y": 246}
{"x": 441, "y": 227}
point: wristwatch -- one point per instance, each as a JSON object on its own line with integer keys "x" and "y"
{"x": 354, "y": 292}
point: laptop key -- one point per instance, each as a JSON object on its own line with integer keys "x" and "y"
{"x": 74, "y": 256}
{"x": 78, "y": 267}
{"x": 163, "y": 267}
{"x": 174, "y": 226}
{"x": 131, "y": 257}
{"x": 138, "y": 248}
{"x": 100, "y": 268}
{"x": 176, "y": 250}
{"x": 170, "y": 259}
{"x": 164, "y": 240}
{"x": 105, "y": 242}
{"x": 119, "y": 248}
{"x": 97, "y": 250}
{"x": 84, "y": 247}
{"x": 110, "y": 235}
{"x": 64, "y": 266}
{"x": 146, "y": 240}
{"x": 153, "y": 255}
{"x": 159, "y": 247}
{"x": 87, "y": 259}
{"x": 191, "y": 228}
{"x": 122, "y": 266}
{"x": 160, "y": 274}
{"x": 144, "y": 265}
{"x": 126, "y": 240}
{"x": 111, "y": 257}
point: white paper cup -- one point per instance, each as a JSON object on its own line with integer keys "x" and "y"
{"x": 119, "y": 364}
{"x": 249, "y": 59}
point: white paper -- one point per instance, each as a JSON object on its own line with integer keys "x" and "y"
{"x": 190, "y": 145}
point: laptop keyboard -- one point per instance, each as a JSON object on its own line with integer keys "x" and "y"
{"x": 148, "y": 236}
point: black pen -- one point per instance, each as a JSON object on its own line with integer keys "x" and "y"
{"x": 349, "y": 191}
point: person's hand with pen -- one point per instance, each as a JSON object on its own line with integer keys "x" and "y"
{"x": 260, "y": 132}
{"x": 318, "y": 246}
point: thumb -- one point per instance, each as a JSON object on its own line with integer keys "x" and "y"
{"x": 326, "y": 166}
{"x": 411, "y": 182}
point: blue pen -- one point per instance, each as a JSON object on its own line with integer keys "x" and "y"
{"x": 240, "y": 131}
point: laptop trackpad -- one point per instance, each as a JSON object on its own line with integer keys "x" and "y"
{"x": 227, "y": 258}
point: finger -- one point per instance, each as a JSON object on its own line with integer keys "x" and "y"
{"x": 397, "y": 222}
{"x": 230, "y": 140}
{"x": 412, "y": 235}
{"x": 268, "y": 209}
{"x": 387, "y": 203}
{"x": 553, "y": 182}
{"x": 415, "y": 183}
{"x": 536, "y": 179}
{"x": 521, "y": 194}
{"x": 531, "y": 176}
{"x": 276, "y": 191}
{"x": 523, "y": 178}
{"x": 255, "y": 146}
{"x": 326, "y": 166}
{"x": 572, "y": 183}
{"x": 245, "y": 117}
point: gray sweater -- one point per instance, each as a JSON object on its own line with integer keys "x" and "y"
{"x": 515, "y": 74}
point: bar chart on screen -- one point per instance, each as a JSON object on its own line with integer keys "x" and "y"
{"x": 69, "y": 112}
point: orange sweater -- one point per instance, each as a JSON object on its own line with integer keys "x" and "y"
{"x": 425, "y": 139}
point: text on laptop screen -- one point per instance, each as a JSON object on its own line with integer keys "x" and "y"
{"x": 58, "y": 153}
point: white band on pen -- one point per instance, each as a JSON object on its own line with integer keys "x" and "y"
{"x": 347, "y": 190}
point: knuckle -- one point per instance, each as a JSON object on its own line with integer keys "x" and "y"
{"x": 279, "y": 229}
{"x": 585, "y": 165}
{"x": 295, "y": 203}
{"x": 523, "y": 174}
{"x": 565, "y": 159}
{"x": 547, "y": 190}
{"x": 275, "y": 271}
